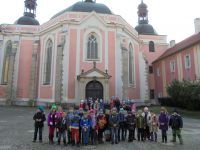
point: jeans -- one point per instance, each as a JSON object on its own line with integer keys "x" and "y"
{"x": 85, "y": 135}
{"x": 154, "y": 136}
{"x": 40, "y": 133}
{"x": 121, "y": 133}
{"x": 62, "y": 135}
{"x": 114, "y": 133}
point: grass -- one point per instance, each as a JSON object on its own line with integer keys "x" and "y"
{"x": 182, "y": 112}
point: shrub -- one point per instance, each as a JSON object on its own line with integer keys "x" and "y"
{"x": 184, "y": 94}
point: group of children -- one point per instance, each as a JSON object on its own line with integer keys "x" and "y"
{"x": 92, "y": 123}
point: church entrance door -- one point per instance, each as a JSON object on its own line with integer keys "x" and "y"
{"x": 94, "y": 89}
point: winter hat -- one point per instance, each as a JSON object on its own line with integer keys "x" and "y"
{"x": 53, "y": 107}
{"x": 139, "y": 112}
{"x": 92, "y": 111}
{"x": 41, "y": 108}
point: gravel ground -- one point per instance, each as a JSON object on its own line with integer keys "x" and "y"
{"x": 16, "y": 133}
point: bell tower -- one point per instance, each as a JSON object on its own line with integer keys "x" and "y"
{"x": 142, "y": 13}
{"x": 30, "y": 7}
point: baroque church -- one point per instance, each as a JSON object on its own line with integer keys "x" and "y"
{"x": 83, "y": 51}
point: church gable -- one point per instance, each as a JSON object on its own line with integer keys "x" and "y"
{"x": 93, "y": 20}
{"x": 94, "y": 74}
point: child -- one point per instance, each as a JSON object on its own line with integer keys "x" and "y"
{"x": 121, "y": 130}
{"x": 101, "y": 123}
{"x": 85, "y": 126}
{"x": 62, "y": 127}
{"x": 147, "y": 116}
{"x": 52, "y": 117}
{"x": 70, "y": 115}
{"x": 153, "y": 127}
{"x": 74, "y": 127}
{"x": 131, "y": 120}
{"x": 176, "y": 123}
{"x": 140, "y": 124}
{"x": 163, "y": 124}
{"x": 114, "y": 124}
{"x": 93, "y": 133}
{"x": 39, "y": 118}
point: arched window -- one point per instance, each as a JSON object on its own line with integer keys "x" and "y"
{"x": 131, "y": 68}
{"x": 151, "y": 46}
{"x": 6, "y": 62}
{"x": 92, "y": 47}
{"x": 47, "y": 62}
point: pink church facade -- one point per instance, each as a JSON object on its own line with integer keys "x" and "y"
{"x": 76, "y": 55}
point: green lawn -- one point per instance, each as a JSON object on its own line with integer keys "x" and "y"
{"x": 184, "y": 113}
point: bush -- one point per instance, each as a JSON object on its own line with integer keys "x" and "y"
{"x": 184, "y": 94}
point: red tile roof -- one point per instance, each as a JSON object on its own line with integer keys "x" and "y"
{"x": 188, "y": 42}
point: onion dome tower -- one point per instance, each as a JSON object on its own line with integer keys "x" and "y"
{"x": 144, "y": 27}
{"x": 29, "y": 13}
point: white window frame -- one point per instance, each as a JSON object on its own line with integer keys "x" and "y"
{"x": 187, "y": 66}
{"x": 158, "y": 72}
{"x": 172, "y": 66}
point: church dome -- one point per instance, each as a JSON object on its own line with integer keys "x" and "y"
{"x": 86, "y": 6}
{"x": 27, "y": 19}
{"x": 145, "y": 29}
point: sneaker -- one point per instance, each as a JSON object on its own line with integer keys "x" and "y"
{"x": 34, "y": 141}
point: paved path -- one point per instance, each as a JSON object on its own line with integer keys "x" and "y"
{"x": 16, "y": 133}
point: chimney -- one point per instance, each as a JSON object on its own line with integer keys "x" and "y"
{"x": 172, "y": 43}
{"x": 197, "y": 25}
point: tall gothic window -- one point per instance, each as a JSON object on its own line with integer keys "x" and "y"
{"x": 92, "y": 47}
{"x": 151, "y": 46}
{"x": 6, "y": 62}
{"x": 131, "y": 68}
{"x": 47, "y": 62}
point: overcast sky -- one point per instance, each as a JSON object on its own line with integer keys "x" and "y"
{"x": 174, "y": 18}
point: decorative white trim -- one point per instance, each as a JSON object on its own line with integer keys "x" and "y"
{"x": 106, "y": 50}
{"x": 66, "y": 66}
{"x": 78, "y": 52}
{"x": 118, "y": 68}
{"x": 17, "y": 57}
{"x": 45, "y": 100}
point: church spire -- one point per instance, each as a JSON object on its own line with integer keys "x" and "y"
{"x": 142, "y": 13}
{"x": 30, "y": 7}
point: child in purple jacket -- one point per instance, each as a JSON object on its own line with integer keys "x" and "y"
{"x": 52, "y": 118}
{"x": 163, "y": 123}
